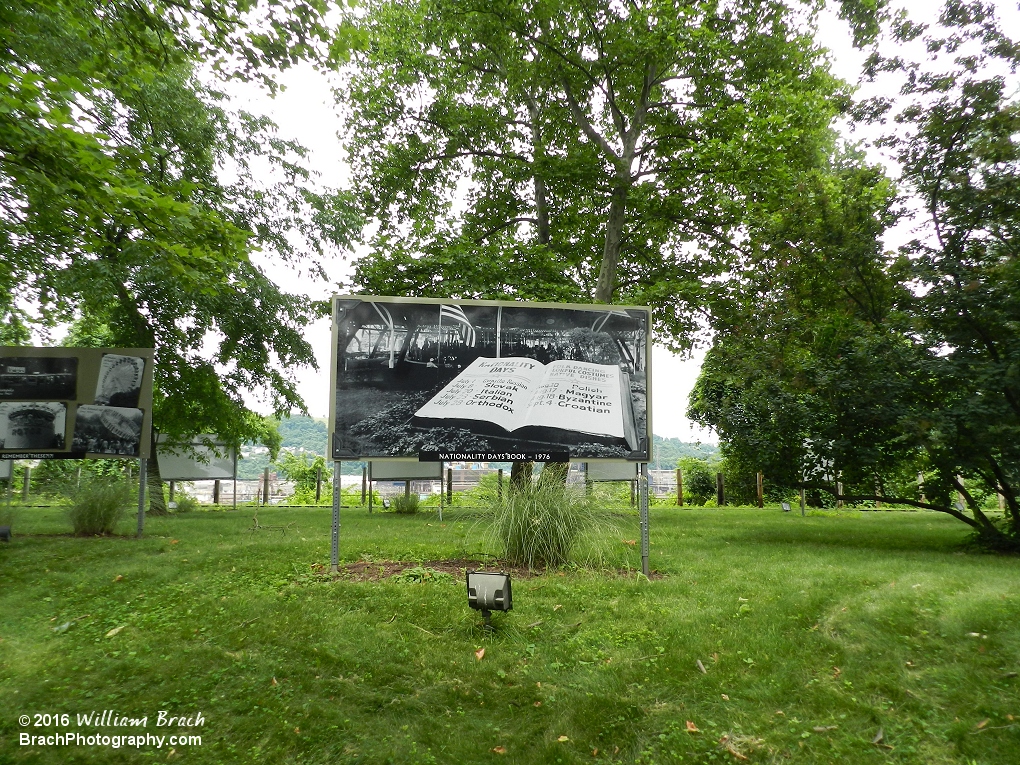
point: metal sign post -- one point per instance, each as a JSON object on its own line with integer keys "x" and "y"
{"x": 142, "y": 465}
{"x": 643, "y": 501}
{"x": 334, "y": 561}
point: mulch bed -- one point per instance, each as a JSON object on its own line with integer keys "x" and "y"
{"x": 375, "y": 571}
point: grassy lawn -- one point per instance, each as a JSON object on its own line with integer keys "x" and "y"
{"x": 816, "y": 634}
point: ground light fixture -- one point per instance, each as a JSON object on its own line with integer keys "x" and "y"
{"x": 489, "y": 591}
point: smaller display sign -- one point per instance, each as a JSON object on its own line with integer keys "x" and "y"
{"x": 75, "y": 403}
{"x": 611, "y": 471}
{"x": 200, "y": 460}
{"x": 404, "y": 470}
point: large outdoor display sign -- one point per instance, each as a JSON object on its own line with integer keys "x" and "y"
{"x": 75, "y": 403}
{"x": 450, "y": 380}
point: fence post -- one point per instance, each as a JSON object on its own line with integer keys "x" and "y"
{"x": 839, "y": 494}
{"x": 761, "y": 489}
{"x": 499, "y": 484}
{"x": 449, "y": 486}
{"x": 679, "y": 488}
{"x": 720, "y": 494}
{"x": 407, "y": 489}
{"x": 216, "y": 492}
{"x": 25, "y": 483}
{"x": 802, "y": 502}
{"x": 173, "y": 485}
{"x": 633, "y": 492}
{"x": 318, "y": 484}
{"x": 920, "y": 486}
{"x": 364, "y": 484}
{"x": 265, "y": 487}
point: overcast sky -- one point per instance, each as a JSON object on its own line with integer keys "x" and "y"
{"x": 305, "y": 111}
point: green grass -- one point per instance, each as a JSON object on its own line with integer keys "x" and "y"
{"x": 290, "y": 667}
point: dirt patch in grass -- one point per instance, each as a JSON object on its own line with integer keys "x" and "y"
{"x": 374, "y": 571}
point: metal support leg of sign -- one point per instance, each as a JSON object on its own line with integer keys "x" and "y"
{"x": 334, "y": 560}
{"x": 442, "y": 493}
{"x": 142, "y": 465}
{"x": 643, "y": 491}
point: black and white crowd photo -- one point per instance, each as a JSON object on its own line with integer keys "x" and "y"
{"x": 107, "y": 430}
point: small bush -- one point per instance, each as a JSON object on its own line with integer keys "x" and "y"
{"x": 406, "y": 504}
{"x": 98, "y": 506}
{"x": 540, "y": 525}
{"x": 185, "y": 503}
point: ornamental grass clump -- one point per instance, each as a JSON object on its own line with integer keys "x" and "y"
{"x": 542, "y": 524}
{"x": 98, "y": 505}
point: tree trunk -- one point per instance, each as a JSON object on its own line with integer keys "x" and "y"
{"x": 538, "y": 155}
{"x": 154, "y": 482}
{"x": 553, "y": 474}
{"x": 614, "y": 237}
{"x": 520, "y": 475}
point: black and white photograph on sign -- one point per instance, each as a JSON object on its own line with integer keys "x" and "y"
{"x": 120, "y": 380}
{"x": 415, "y": 377}
{"x": 107, "y": 430}
{"x": 32, "y": 425}
{"x": 38, "y": 378}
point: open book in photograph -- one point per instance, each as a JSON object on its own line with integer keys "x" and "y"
{"x": 558, "y": 402}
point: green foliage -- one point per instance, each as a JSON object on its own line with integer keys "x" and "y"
{"x": 61, "y": 478}
{"x": 699, "y": 480}
{"x": 302, "y": 432}
{"x": 835, "y": 361}
{"x": 98, "y": 505}
{"x": 589, "y": 175}
{"x": 405, "y": 504}
{"x": 118, "y": 217}
{"x": 667, "y": 451}
{"x": 302, "y": 470}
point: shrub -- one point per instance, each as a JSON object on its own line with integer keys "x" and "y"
{"x": 540, "y": 525}
{"x": 98, "y": 505}
{"x": 186, "y": 503}
{"x": 406, "y": 504}
{"x": 699, "y": 480}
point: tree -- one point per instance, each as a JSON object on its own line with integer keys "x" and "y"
{"x": 577, "y": 149}
{"x": 914, "y": 369}
{"x": 115, "y": 209}
{"x": 608, "y": 152}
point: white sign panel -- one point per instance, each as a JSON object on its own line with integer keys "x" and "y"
{"x": 612, "y": 471}
{"x": 404, "y": 470}
{"x": 202, "y": 460}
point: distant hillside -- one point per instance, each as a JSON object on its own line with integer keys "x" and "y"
{"x": 308, "y": 433}
{"x": 666, "y": 451}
